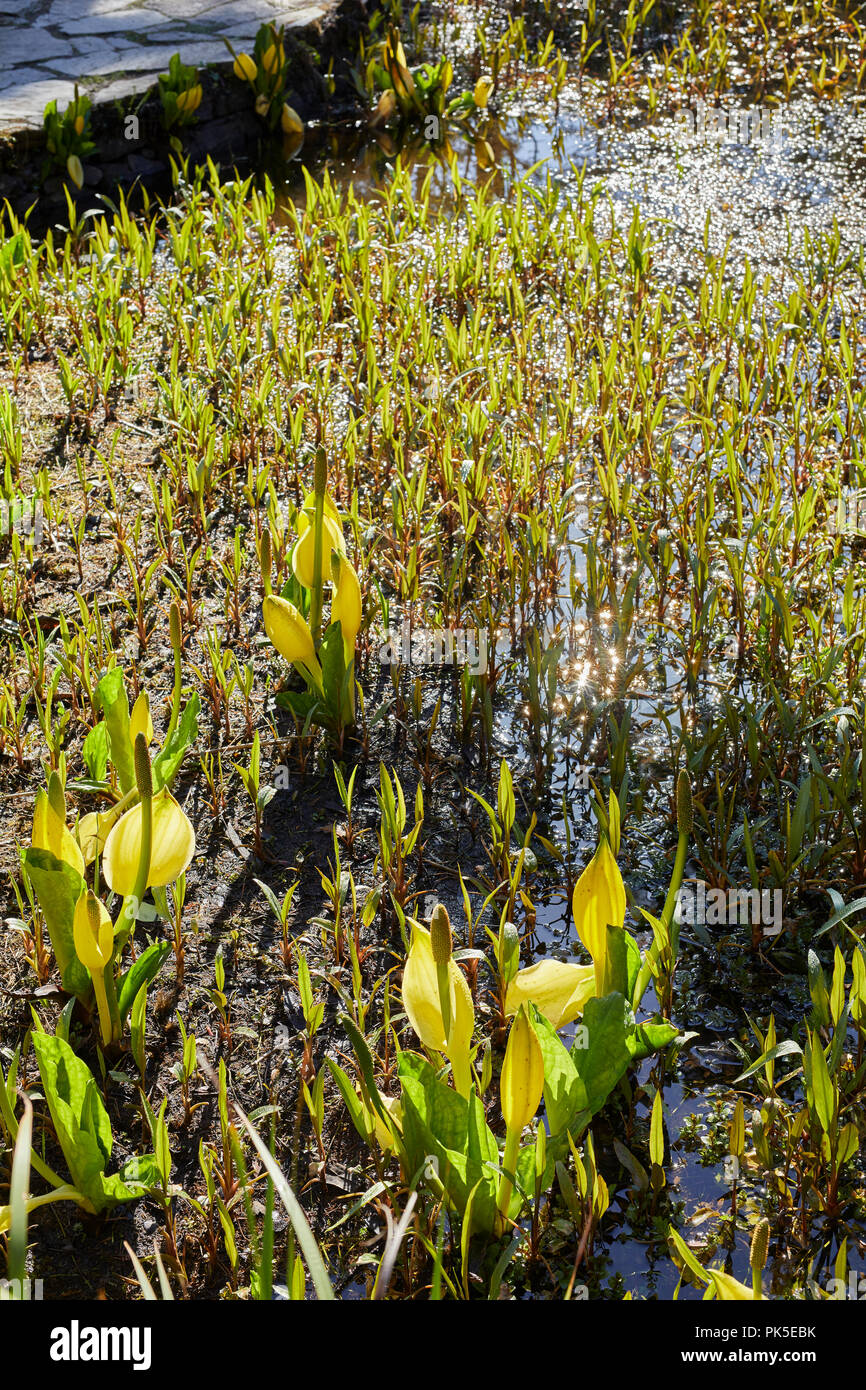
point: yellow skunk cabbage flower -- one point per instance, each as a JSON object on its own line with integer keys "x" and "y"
{"x": 193, "y": 98}
{"x": 385, "y": 106}
{"x": 307, "y": 513}
{"x": 728, "y": 1289}
{"x": 599, "y": 902}
{"x": 92, "y": 932}
{"x": 520, "y": 1089}
{"x": 522, "y": 1081}
{"x": 273, "y": 58}
{"x": 559, "y": 990}
{"x": 245, "y": 68}
{"x": 384, "y": 1135}
{"x": 346, "y": 602}
{"x": 289, "y": 632}
{"x": 420, "y": 991}
{"x": 262, "y": 104}
{"x": 140, "y": 721}
{"x": 74, "y": 170}
{"x": 93, "y": 829}
{"x": 291, "y": 121}
{"x": 93, "y": 936}
{"x": 398, "y": 71}
{"x": 49, "y": 825}
{"x": 304, "y": 553}
{"x": 172, "y": 846}
{"x": 190, "y": 100}
{"x": 79, "y": 125}
{"x": 481, "y": 95}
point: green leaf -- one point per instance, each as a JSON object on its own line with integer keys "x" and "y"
{"x": 141, "y": 972}
{"x": 646, "y": 1038}
{"x": 442, "y": 1111}
{"x": 94, "y": 751}
{"x": 169, "y": 759}
{"x": 111, "y": 693}
{"x": 687, "y": 1256}
{"x": 782, "y": 1049}
{"x": 823, "y": 1090}
{"x": 365, "y": 1062}
{"x": 299, "y": 703}
{"x": 333, "y": 662}
{"x": 138, "y": 1176}
{"x": 564, "y": 1091}
{"x": 632, "y": 1165}
{"x": 12, "y": 251}
{"x": 606, "y": 1057}
{"x": 58, "y": 887}
{"x": 441, "y": 1125}
{"x": 306, "y": 1239}
{"x": 352, "y": 1100}
{"x": 79, "y": 1116}
{"x": 634, "y": 961}
{"x": 616, "y": 967}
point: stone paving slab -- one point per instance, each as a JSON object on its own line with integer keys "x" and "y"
{"x": 47, "y": 46}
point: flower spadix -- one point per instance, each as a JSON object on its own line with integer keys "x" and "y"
{"x": 289, "y": 632}
{"x": 599, "y": 903}
{"x": 560, "y": 990}
{"x": 422, "y": 1001}
{"x": 171, "y": 850}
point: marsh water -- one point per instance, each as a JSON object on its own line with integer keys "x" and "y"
{"x": 751, "y": 201}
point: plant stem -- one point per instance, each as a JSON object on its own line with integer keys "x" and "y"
{"x": 506, "y": 1183}
{"x": 320, "y": 482}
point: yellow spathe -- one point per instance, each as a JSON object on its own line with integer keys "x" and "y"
{"x": 558, "y": 989}
{"x": 171, "y": 850}
{"x": 420, "y": 993}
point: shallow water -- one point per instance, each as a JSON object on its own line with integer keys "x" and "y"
{"x": 751, "y": 202}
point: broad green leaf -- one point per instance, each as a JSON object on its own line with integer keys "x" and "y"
{"x": 111, "y": 693}
{"x": 606, "y": 1057}
{"x": 564, "y": 1091}
{"x": 79, "y": 1116}
{"x": 633, "y": 964}
{"x": 144, "y": 969}
{"x": 644, "y": 1039}
{"x": 58, "y": 886}
{"x": 94, "y": 751}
